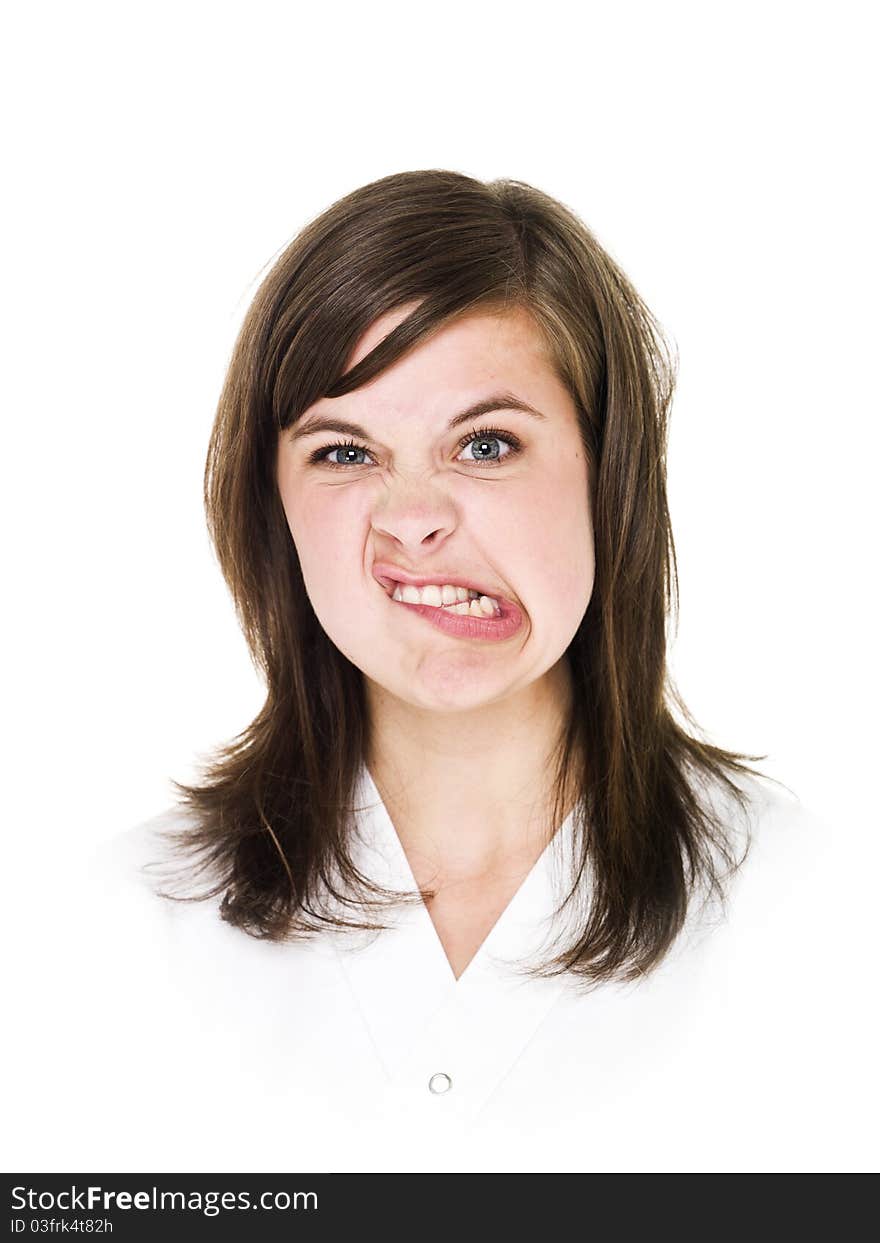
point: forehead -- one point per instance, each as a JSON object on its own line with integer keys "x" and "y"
{"x": 473, "y": 347}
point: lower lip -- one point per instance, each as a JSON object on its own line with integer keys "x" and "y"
{"x": 492, "y": 628}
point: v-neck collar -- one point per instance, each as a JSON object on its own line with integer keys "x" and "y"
{"x": 421, "y": 1019}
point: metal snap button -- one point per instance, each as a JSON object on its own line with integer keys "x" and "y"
{"x": 439, "y": 1083}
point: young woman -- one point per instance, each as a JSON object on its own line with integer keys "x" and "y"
{"x": 468, "y": 892}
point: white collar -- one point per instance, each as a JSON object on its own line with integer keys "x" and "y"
{"x": 421, "y": 1019}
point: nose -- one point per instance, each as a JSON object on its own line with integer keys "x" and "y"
{"x": 414, "y": 515}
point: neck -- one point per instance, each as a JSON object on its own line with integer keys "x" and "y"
{"x": 471, "y": 792}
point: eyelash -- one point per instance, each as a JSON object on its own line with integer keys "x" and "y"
{"x": 482, "y": 433}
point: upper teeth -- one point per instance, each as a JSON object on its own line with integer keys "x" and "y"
{"x": 463, "y": 600}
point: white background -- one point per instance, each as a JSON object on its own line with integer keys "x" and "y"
{"x": 158, "y": 157}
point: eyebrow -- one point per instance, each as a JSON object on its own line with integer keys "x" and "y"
{"x": 329, "y": 423}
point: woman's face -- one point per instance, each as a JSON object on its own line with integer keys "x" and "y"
{"x": 410, "y": 496}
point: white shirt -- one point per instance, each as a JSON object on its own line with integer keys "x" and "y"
{"x": 171, "y": 1041}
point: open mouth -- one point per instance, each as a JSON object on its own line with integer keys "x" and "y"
{"x": 464, "y": 601}
{"x": 459, "y": 609}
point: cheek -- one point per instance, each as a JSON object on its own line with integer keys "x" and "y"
{"x": 328, "y": 527}
{"x": 323, "y": 530}
{"x": 548, "y": 539}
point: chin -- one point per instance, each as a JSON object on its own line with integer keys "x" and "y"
{"x": 453, "y": 695}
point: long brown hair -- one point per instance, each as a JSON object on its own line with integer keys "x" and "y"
{"x": 269, "y": 824}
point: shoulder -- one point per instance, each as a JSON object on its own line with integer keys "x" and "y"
{"x": 140, "y": 853}
{"x": 121, "y": 887}
{"x": 150, "y": 899}
{"x": 768, "y": 827}
{"x": 769, "y": 920}
{"x": 141, "y": 843}
{"x": 788, "y": 840}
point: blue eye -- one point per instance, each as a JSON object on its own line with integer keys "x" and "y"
{"x": 482, "y": 437}
{"x": 349, "y": 446}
